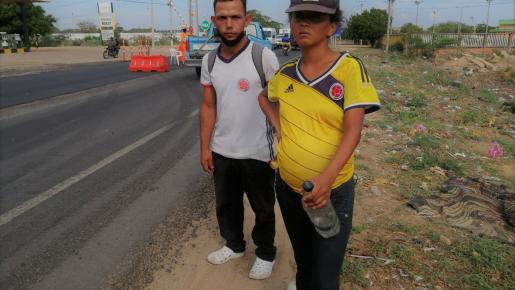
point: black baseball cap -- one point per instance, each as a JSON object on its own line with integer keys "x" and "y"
{"x": 322, "y": 6}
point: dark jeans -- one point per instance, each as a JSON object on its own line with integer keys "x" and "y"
{"x": 233, "y": 177}
{"x": 319, "y": 261}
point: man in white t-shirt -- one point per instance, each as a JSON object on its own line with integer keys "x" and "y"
{"x": 236, "y": 138}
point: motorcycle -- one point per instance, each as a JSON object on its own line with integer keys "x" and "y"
{"x": 110, "y": 53}
{"x": 285, "y": 48}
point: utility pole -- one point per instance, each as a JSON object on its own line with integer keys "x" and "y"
{"x": 487, "y": 22}
{"x": 488, "y": 14}
{"x": 473, "y": 25}
{"x": 390, "y": 8}
{"x": 461, "y": 17}
{"x": 417, "y": 2}
{"x": 152, "y": 20}
{"x": 434, "y": 18}
{"x": 361, "y": 4}
{"x": 171, "y": 21}
{"x": 194, "y": 16}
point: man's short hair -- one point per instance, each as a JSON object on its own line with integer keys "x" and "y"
{"x": 244, "y": 2}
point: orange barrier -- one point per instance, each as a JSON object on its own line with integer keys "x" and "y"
{"x": 143, "y": 63}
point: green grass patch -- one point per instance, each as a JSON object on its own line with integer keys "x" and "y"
{"x": 393, "y": 159}
{"x": 359, "y": 228}
{"x": 426, "y": 141}
{"x": 404, "y": 228}
{"x": 508, "y": 147}
{"x": 417, "y": 101}
{"x": 487, "y": 96}
{"x": 354, "y": 272}
{"x": 432, "y": 159}
{"x": 482, "y": 264}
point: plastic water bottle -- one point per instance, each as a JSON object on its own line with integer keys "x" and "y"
{"x": 324, "y": 219}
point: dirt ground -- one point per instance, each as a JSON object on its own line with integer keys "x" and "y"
{"x": 51, "y": 58}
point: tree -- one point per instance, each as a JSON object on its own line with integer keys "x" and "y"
{"x": 87, "y": 27}
{"x": 264, "y": 20}
{"x": 410, "y": 28}
{"x": 481, "y": 28}
{"x": 369, "y": 25}
{"x": 451, "y": 27}
{"x": 39, "y": 23}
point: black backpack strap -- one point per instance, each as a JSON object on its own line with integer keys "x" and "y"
{"x": 257, "y": 58}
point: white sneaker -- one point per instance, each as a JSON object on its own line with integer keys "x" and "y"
{"x": 261, "y": 269}
{"x": 292, "y": 286}
{"x": 223, "y": 255}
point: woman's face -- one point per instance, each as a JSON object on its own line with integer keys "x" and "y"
{"x": 311, "y": 28}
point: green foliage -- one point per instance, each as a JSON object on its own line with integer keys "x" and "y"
{"x": 411, "y": 28}
{"x": 369, "y": 25}
{"x": 426, "y": 141}
{"x": 403, "y": 228}
{"x": 487, "y": 96}
{"x": 479, "y": 260}
{"x": 38, "y": 21}
{"x": 51, "y": 41}
{"x": 354, "y": 272}
{"x": 469, "y": 117}
{"x": 481, "y": 28}
{"x": 264, "y": 20}
{"x": 451, "y": 27}
{"x": 417, "y": 101}
{"x": 358, "y": 229}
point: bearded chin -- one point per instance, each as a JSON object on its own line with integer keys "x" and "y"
{"x": 232, "y": 42}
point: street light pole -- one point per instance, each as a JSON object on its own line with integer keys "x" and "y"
{"x": 417, "y": 2}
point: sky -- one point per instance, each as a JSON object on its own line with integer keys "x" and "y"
{"x": 136, "y": 13}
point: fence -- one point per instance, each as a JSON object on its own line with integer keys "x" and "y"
{"x": 493, "y": 40}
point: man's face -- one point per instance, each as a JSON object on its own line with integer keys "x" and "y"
{"x": 230, "y": 20}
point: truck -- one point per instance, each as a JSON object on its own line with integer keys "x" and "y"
{"x": 200, "y": 46}
{"x": 270, "y": 34}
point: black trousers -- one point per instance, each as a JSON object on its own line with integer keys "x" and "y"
{"x": 232, "y": 178}
{"x": 319, "y": 261}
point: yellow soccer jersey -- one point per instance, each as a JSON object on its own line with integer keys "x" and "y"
{"x": 311, "y": 116}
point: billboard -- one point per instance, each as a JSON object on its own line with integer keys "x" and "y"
{"x": 107, "y": 19}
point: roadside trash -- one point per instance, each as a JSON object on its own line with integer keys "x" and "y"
{"x": 474, "y": 204}
{"x": 495, "y": 150}
{"x": 468, "y": 71}
{"x": 419, "y": 128}
{"x": 456, "y": 83}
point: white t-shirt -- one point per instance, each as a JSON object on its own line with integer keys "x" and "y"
{"x": 241, "y": 130}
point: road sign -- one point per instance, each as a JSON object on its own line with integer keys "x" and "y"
{"x": 204, "y": 25}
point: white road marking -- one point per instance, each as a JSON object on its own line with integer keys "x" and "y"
{"x": 192, "y": 114}
{"x": 33, "y": 202}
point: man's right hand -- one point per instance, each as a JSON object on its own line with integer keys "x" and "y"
{"x": 206, "y": 160}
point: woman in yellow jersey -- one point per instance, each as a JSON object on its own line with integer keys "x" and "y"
{"x": 316, "y": 104}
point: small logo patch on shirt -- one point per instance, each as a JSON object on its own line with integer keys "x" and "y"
{"x": 289, "y": 89}
{"x": 244, "y": 85}
{"x": 336, "y": 91}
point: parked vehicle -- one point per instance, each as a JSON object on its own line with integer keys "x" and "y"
{"x": 270, "y": 34}
{"x": 200, "y": 46}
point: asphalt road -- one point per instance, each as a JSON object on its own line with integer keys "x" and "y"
{"x": 88, "y": 173}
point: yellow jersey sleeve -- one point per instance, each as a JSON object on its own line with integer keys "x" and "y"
{"x": 273, "y": 95}
{"x": 359, "y": 91}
